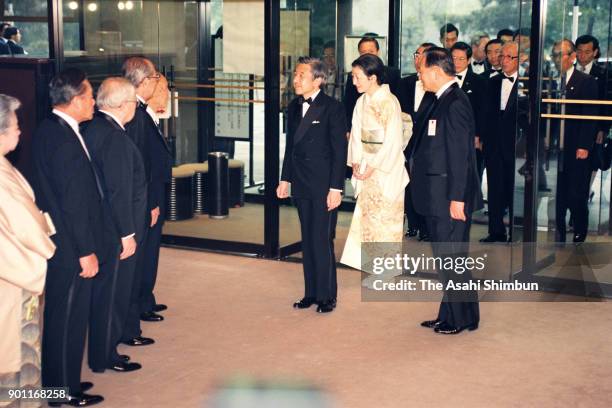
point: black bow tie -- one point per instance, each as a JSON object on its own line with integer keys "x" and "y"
{"x": 477, "y": 63}
{"x": 301, "y": 100}
{"x": 459, "y": 76}
{"x": 499, "y": 71}
{"x": 143, "y": 105}
{"x": 511, "y": 79}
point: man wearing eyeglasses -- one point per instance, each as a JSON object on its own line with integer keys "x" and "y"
{"x": 144, "y": 131}
{"x": 504, "y": 114}
{"x": 415, "y": 101}
{"x": 575, "y": 142}
{"x": 125, "y": 191}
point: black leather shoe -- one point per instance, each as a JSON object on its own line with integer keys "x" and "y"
{"x": 124, "y": 367}
{"x": 304, "y": 303}
{"x": 333, "y": 302}
{"x": 159, "y": 307}
{"x": 424, "y": 237}
{"x": 579, "y": 237}
{"x": 431, "y": 324}
{"x": 79, "y": 400}
{"x": 445, "y": 328}
{"x": 151, "y": 317}
{"x": 325, "y": 307}
{"x": 124, "y": 357}
{"x": 138, "y": 341}
{"x": 86, "y": 385}
{"x": 494, "y": 238}
{"x": 412, "y": 232}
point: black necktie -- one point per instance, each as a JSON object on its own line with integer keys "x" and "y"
{"x": 459, "y": 76}
{"x": 301, "y": 100}
{"x": 511, "y": 79}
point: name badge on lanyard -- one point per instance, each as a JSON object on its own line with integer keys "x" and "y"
{"x": 431, "y": 131}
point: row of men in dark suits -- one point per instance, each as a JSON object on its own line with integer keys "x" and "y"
{"x": 101, "y": 177}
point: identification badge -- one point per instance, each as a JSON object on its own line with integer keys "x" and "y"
{"x": 431, "y": 131}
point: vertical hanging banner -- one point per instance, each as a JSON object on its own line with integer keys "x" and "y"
{"x": 243, "y": 37}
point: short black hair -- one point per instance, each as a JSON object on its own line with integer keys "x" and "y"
{"x": 585, "y": 39}
{"x": 368, "y": 39}
{"x": 3, "y": 26}
{"x": 10, "y": 31}
{"x": 462, "y": 46}
{"x": 493, "y": 41}
{"x": 371, "y": 65}
{"x": 448, "y": 28}
{"x": 440, "y": 57}
{"x": 505, "y": 31}
{"x": 66, "y": 85}
{"x": 329, "y": 44}
{"x": 524, "y": 32}
{"x": 427, "y": 45}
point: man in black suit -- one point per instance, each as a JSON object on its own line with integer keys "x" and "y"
{"x": 479, "y": 62}
{"x": 587, "y": 52}
{"x": 367, "y": 45}
{"x": 493, "y": 52}
{"x": 504, "y": 114}
{"x": 574, "y": 169}
{"x": 449, "y": 35}
{"x": 145, "y": 133}
{"x": 445, "y": 185}
{"x": 415, "y": 101}
{"x": 69, "y": 189}
{"x": 474, "y": 87}
{"x": 314, "y": 163}
{"x": 13, "y": 37}
{"x": 4, "y": 48}
{"x": 123, "y": 181}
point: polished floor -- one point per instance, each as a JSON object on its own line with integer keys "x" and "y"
{"x": 230, "y": 321}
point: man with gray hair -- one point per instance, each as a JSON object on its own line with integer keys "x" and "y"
{"x": 144, "y": 131}
{"x": 69, "y": 188}
{"x": 479, "y": 56}
{"x": 123, "y": 181}
{"x": 314, "y": 165}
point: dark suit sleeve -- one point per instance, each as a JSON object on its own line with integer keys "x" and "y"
{"x": 118, "y": 175}
{"x": 459, "y": 140}
{"x": 339, "y": 146}
{"x": 588, "y": 128}
{"x": 286, "y": 170}
{"x": 350, "y": 99}
{"x": 72, "y": 174}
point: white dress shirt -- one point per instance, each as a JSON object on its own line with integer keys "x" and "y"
{"x": 506, "y": 89}
{"x": 477, "y": 68}
{"x": 419, "y": 92}
{"x": 568, "y": 74}
{"x": 586, "y": 69}
{"x": 149, "y": 110}
{"x": 461, "y": 74}
{"x": 445, "y": 87}
{"x": 74, "y": 125}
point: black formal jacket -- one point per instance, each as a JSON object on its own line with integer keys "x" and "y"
{"x": 4, "y": 48}
{"x": 156, "y": 154}
{"x": 392, "y": 78}
{"x": 443, "y": 166}
{"x": 66, "y": 187}
{"x": 499, "y": 134}
{"x": 474, "y": 86}
{"x": 604, "y": 84}
{"x": 121, "y": 172}
{"x": 316, "y": 148}
{"x": 579, "y": 134}
{"x": 15, "y": 48}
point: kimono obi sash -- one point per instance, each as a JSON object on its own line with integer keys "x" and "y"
{"x": 372, "y": 140}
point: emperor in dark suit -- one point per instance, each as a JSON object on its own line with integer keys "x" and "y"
{"x": 314, "y": 165}
{"x": 68, "y": 187}
{"x": 124, "y": 185}
{"x": 574, "y": 170}
{"x": 446, "y": 186}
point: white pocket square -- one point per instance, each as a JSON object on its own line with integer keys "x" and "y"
{"x": 314, "y": 122}
{"x": 469, "y": 91}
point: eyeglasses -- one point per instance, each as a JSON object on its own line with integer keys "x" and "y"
{"x": 416, "y": 55}
{"x": 510, "y": 57}
{"x": 155, "y": 77}
{"x": 459, "y": 58}
{"x": 559, "y": 54}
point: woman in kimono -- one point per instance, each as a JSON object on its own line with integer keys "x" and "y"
{"x": 378, "y": 139}
{"x": 25, "y": 247}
